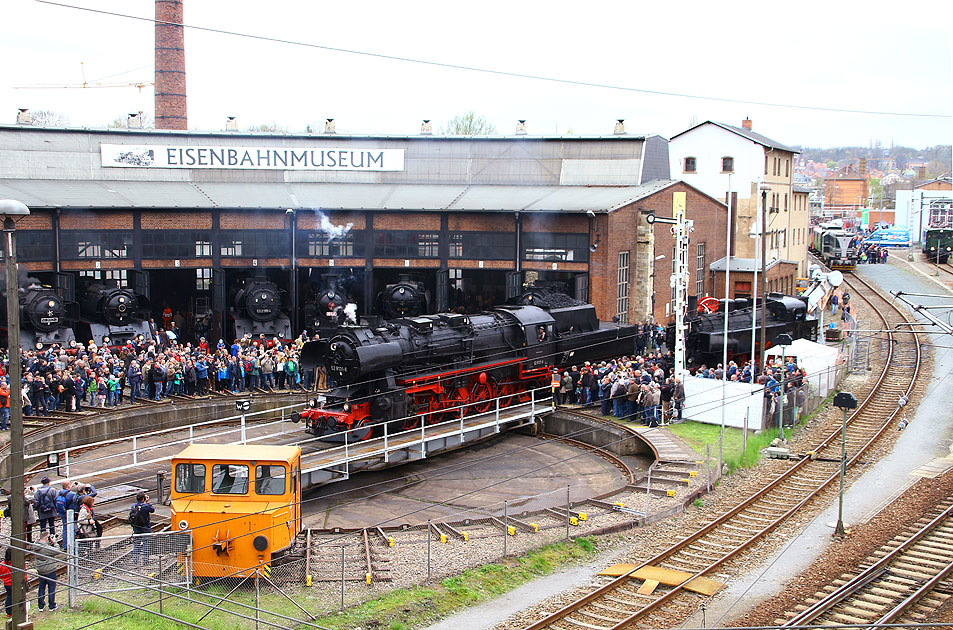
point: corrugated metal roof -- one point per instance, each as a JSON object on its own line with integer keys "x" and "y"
{"x": 746, "y": 264}
{"x": 332, "y": 196}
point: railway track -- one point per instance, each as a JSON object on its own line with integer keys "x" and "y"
{"x": 660, "y": 591}
{"x": 905, "y": 581}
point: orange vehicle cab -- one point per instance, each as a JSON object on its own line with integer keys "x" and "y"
{"x": 241, "y": 502}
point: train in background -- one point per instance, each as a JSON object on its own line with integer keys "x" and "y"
{"x": 45, "y": 317}
{"x": 835, "y": 246}
{"x": 423, "y": 369}
{"x": 938, "y": 245}
{"x": 259, "y": 307}
{"x": 112, "y": 315}
{"x": 705, "y": 336}
{"x": 405, "y": 298}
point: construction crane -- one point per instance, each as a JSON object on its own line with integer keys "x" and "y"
{"x": 85, "y": 84}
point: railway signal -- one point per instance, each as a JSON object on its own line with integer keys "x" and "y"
{"x": 845, "y": 401}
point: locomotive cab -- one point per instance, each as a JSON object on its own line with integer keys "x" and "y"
{"x": 242, "y": 503}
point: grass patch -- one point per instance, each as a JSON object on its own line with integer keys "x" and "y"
{"x": 397, "y": 610}
{"x": 698, "y": 435}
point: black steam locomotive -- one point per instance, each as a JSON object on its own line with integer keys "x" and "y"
{"x": 705, "y": 337}
{"x": 112, "y": 315}
{"x": 45, "y": 318}
{"x": 259, "y": 309}
{"x": 404, "y": 298}
{"x": 423, "y": 369}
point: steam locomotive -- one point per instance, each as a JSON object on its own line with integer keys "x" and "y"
{"x": 112, "y": 315}
{"x": 705, "y": 337}
{"x": 417, "y": 369}
{"x": 404, "y": 298}
{"x": 45, "y": 318}
{"x": 258, "y": 309}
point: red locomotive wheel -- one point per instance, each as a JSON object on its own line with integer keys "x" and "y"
{"x": 482, "y": 395}
{"x": 507, "y": 394}
{"x": 707, "y": 305}
{"x": 362, "y": 430}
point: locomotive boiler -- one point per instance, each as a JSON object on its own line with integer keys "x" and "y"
{"x": 259, "y": 309}
{"x": 705, "y": 338}
{"x": 45, "y": 317}
{"x": 112, "y": 315}
{"x": 427, "y": 368}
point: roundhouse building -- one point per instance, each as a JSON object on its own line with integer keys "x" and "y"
{"x": 187, "y": 218}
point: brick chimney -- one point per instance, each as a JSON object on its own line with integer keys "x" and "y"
{"x": 746, "y": 124}
{"x": 171, "y": 110}
{"x": 862, "y": 167}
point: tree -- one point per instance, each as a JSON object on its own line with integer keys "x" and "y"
{"x": 49, "y": 118}
{"x": 468, "y": 124}
{"x": 272, "y": 128}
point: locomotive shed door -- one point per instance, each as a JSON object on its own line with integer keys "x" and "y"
{"x": 443, "y": 290}
{"x": 514, "y": 284}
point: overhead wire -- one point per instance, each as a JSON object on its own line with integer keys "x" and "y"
{"x": 495, "y": 72}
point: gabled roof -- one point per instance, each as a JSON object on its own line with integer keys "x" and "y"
{"x": 658, "y": 185}
{"x": 744, "y": 133}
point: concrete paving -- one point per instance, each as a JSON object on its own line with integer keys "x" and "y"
{"x": 924, "y": 448}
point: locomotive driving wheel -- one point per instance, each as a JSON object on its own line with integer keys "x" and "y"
{"x": 507, "y": 394}
{"x": 450, "y": 401}
{"x": 362, "y": 430}
{"x": 482, "y": 395}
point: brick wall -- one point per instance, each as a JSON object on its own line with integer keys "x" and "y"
{"x": 176, "y": 220}
{"x": 407, "y": 221}
{"x": 92, "y": 220}
{"x": 253, "y": 221}
{"x": 311, "y": 221}
{"x": 482, "y": 222}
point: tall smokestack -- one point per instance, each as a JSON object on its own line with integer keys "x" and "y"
{"x": 171, "y": 110}
{"x": 862, "y": 167}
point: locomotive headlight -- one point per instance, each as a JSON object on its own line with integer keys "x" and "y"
{"x": 51, "y": 303}
{"x": 122, "y": 299}
{"x": 347, "y": 406}
{"x": 39, "y": 346}
{"x": 260, "y": 543}
{"x": 402, "y": 290}
{"x": 313, "y": 403}
{"x": 183, "y": 524}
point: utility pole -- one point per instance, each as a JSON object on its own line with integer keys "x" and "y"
{"x": 764, "y": 271}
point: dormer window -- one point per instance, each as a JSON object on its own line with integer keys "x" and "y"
{"x": 727, "y": 165}
{"x": 689, "y": 165}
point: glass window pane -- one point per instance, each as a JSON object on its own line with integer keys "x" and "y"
{"x": 190, "y": 478}
{"x": 229, "y": 479}
{"x": 270, "y": 479}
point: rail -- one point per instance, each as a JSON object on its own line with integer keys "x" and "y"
{"x": 615, "y": 584}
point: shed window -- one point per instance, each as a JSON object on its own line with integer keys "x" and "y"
{"x": 689, "y": 165}
{"x": 270, "y": 479}
{"x": 229, "y": 479}
{"x": 727, "y": 164}
{"x": 190, "y": 478}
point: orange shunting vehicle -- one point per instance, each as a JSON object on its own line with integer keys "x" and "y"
{"x": 242, "y": 503}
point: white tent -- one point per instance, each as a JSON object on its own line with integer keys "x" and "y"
{"x": 817, "y": 359}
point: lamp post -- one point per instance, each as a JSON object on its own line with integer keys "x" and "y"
{"x": 782, "y": 340}
{"x": 845, "y": 401}
{"x": 10, "y": 208}
{"x": 764, "y": 188}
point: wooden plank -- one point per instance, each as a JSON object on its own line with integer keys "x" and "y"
{"x": 648, "y": 587}
{"x": 669, "y": 577}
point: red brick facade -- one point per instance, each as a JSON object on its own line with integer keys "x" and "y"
{"x": 170, "y": 92}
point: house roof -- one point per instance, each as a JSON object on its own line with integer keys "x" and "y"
{"x": 744, "y": 133}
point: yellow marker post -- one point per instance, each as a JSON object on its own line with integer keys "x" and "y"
{"x": 583, "y": 516}
{"x": 670, "y": 493}
{"x": 510, "y": 530}
{"x": 367, "y": 578}
{"x": 390, "y": 541}
{"x": 692, "y": 474}
{"x": 443, "y": 538}
{"x": 307, "y": 580}
{"x": 573, "y": 520}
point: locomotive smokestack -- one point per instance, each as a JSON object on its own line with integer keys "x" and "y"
{"x": 171, "y": 110}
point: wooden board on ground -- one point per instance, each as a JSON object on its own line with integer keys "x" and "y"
{"x": 648, "y": 587}
{"x": 669, "y": 577}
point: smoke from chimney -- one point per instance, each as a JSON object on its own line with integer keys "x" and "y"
{"x": 171, "y": 110}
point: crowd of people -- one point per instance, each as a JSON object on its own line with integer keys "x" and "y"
{"x": 77, "y": 376}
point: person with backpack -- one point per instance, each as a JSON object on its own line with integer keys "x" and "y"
{"x": 66, "y": 500}
{"x": 44, "y": 502}
{"x": 141, "y": 521}
{"x": 48, "y": 559}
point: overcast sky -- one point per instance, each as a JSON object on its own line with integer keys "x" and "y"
{"x": 847, "y": 55}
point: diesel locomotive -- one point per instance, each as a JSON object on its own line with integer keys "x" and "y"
{"x": 836, "y": 247}
{"x": 938, "y": 245}
{"x": 426, "y": 368}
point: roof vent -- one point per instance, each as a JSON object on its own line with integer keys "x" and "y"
{"x": 231, "y": 124}
{"x": 426, "y": 129}
{"x": 329, "y": 126}
{"x": 746, "y": 124}
{"x": 521, "y": 127}
{"x": 619, "y": 126}
{"x": 134, "y": 121}
{"x": 24, "y": 117}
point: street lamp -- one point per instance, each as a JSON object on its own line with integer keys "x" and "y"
{"x": 845, "y": 401}
{"x": 764, "y": 188}
{"x": 10, "y": 208}
{"x": 782, "y": 340}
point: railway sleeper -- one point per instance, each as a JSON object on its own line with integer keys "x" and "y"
{"x": 561, "y": 513}
{"x": 862, "y": 613}
{"x": 526, "y": 527}
{"x": 587, "y": 611}
{"x": 842, "y": 618}
{"x": 661, "y": 492}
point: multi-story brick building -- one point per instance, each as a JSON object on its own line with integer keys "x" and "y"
{"x": 190, "y": 215}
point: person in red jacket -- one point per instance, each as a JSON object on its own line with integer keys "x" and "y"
{"x": 6, "y": 576}
{"x": 4, "y": 404}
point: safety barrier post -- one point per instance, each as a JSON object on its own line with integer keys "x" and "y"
{"x": 243, "y": 427}
{"x": 135, "y": 451}
{"x": 72, "y": 561}
{"x": 191, "y": 434}
{"x": 461, "y": 424}
{"x": 386, "y": 454}
{"x": 429, "y": 538}
{"x": 160, "y": 479}
{"x": 257, "y": 600}
{"x": 423, "y": 443}
{"x": 187, "y": 567}
{"x": 159, "y": 575}
{"x": 342, "y": 577}
{"x": 568, "y": 505}
{"x": 66, "y": 461}
{"x": 497, "y": 411}
{"x": 505, "y": 529}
